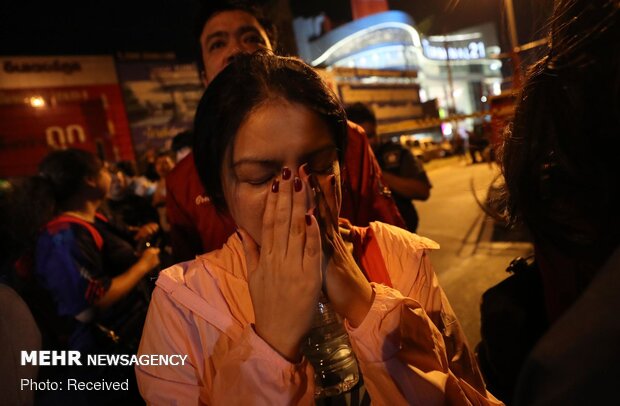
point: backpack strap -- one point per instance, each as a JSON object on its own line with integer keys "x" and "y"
{"x": 368, "y": 254}
{"x": 102, "y": 217}
{"x": 63, "y": 221}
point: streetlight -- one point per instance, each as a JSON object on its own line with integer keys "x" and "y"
{"x": 512, "y": 25}
{"x": 514, "y": 43}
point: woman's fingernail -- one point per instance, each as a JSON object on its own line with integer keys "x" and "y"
{"x": 275, "y": 186}
{"x": 297, "y": 184}
{"x": 239, "y": 234}
{"x": 308, "y": 219}
{"x": 333, "y": 181}
{"x": 306, "y": 169}
{"x": 286, "y": 173}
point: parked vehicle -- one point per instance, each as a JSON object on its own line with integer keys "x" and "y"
{"x": 425, "y": 149}
{"x": 447, "y": 148}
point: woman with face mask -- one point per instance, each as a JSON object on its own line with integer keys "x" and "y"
{"x": 270, "y": 137}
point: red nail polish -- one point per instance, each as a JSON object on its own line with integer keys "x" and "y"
{"x": 308, "y": 219}
{"x": 286, "y": 173}
{"x": 275, "y": 186}
{"x": 297, "y": 184}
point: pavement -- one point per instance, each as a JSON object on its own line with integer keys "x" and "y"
{"x": 475, "y": 250}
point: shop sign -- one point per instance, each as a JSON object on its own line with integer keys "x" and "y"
{"x": 27, "y": 72}
{"x": 66, "y": 67}
{"x": 455, "y": 51}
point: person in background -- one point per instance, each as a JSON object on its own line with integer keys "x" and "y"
{"x": 226, "y": 29}
{"x": 268, "y": 128}
{"x": 146, "y": 164}
{"x": 560, "y": 163}
{"x": 137, "y": 184}
{"x": 402, "y": 171}
{"x": 18, "y": 328}
{"x": 182, "y": 145}
{"x": 164, "y": 164}
{"x": 84, "y": 283}
{"x": 478, "y": 143}
{"x": 132, "y": 215}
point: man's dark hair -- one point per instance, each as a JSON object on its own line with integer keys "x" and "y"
{"x": 128, "y": 168}
{"x": 361, "y": 113}
{"x": 246, "y": 83}
{"x": 209, "y": 8}
{"x": 182, "y": 140}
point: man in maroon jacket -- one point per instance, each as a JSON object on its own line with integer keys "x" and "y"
{"x": 196, "y": 226}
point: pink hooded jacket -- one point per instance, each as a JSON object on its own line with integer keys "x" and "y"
{"x": 410, "y": 347}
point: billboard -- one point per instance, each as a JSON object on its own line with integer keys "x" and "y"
{"x": 55, "y": 102}
{"x": 161, "y": 98}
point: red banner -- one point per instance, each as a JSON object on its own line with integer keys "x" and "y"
{"x": 51, "y": 103}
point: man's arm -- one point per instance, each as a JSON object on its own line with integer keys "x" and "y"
{"x": 409, "y": 188}
{"x": 411, "y": 182}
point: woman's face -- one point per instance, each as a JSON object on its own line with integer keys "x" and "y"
{"x": 277, "y": 134}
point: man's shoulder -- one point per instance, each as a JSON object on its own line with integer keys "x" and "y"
{"x": 183, "y": 180}
{"x": 355, "y": 131}
{"x": 185, "y": 167}
{"x": 356, "y": 138}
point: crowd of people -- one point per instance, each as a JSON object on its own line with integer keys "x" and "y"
{"x": 266, "y": 215}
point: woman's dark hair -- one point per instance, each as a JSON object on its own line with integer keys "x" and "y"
{"x": 560, "y": 157}
{"x": 66, "y": 170}
{"x": 246, "y": 83}
{"x": 27, "y": 204}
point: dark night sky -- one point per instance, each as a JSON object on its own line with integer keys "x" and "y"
{"x": 100, "y": 27}
{"x": 97, "y": 27}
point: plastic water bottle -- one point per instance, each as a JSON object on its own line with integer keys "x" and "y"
{"x": 328, "y": 349}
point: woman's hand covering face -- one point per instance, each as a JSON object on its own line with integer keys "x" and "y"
{"x": 344, "y": 283}
{"x": 284, "y": 273}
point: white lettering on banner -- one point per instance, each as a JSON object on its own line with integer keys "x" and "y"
{"x": 77, "y": 130}
{"x": 472, "y": 50}
{"x": 41, "y": 72}
{"x": 58, "y": 137}
{"x": 66, "y": 67}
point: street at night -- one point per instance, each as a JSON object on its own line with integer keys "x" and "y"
{"x": 472, "y": 258}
